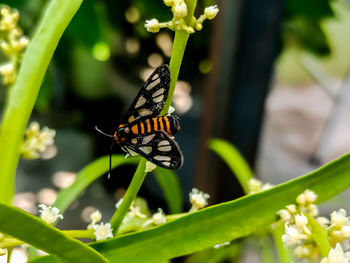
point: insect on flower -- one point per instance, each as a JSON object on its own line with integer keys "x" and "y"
{"x": 143, "y": 131}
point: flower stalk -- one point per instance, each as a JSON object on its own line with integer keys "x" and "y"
{"x": 23, "y": 94}
{"x": 178, "y": 51}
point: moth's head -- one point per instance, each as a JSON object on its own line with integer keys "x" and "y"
{"x": 122, "y": 132}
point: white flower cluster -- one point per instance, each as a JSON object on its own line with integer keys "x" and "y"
{"x": 101, "y": 231}
{"x": 49, "y": 214}
{"x": 298, "y": 233}
{"x": 179, "y": 10}
{"x": 36, "y": 141}
{"x": 198, "y": 199}
{"x": 12, "y": 43}
{"x": 256, "y": 186}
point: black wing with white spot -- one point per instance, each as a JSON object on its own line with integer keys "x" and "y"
{"x": 157, "y": 148}
{"x": 152, "y": 96}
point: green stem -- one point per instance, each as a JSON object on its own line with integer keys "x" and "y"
{"x": 89, "y": 233}
{"x": 13, "y": 242}
{"x": 178, "y": 51}
{"x": 129, "y": 196}
{"x": 266, "y": 245}
{"x": 319, "y": 235}
{"x": 23, "y": 94}
{"x": 284, "y": 253}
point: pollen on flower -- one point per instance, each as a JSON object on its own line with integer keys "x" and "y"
{"x": 198, "y": 199}
{"x": 49, "y": 214}
{"x": 2, "y": 252}
{"x": 36, "y": 141}
{"x": 102, "y": 231}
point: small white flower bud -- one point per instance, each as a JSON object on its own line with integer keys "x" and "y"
{"x": 96, "y": 217}
{"x": 339, "y": 219}
{"x": 180, "y": 10}
{"x": 310, "y": 196}
{"x": 254, "y": 185}
{"x": 301, "y": 200}
{"x": 159, "y": 217}
{"x": 152, "y": 25}
{"x": 292, "y": 235}
{"x": 292, "y": 208}
{"x": 102, "y": 231}
{"x": 211, "y": 11}
{"x": 198, "y": 199}
{"x": 301, "y": 220}
{"x": 49, "y": 214}
{"x": 345, "y": 232}
{"x": 285, "y": 215}
{"x": 323, "y": 221}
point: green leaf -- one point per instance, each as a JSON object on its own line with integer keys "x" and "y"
{"x": 171, "y": 189}
{"x": 319, "y": 235}
{"x": 87, "y": 175}
{"x": 226, "y": 221}
{"x": 34, "y": 231}
{"x": 234, "y": 160}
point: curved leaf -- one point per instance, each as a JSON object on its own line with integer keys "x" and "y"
{"x": 171, "y": 189}
{"x": 233, "y": 159}
{"x": 226, "y": 221}
{"x": 34, "y": 231}
{"x": 87, "y": 175}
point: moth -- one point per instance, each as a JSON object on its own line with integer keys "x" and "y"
{"x": 143, "y": 132}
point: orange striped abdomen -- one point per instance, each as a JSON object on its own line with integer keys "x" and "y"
{"x": 168, "y": 124}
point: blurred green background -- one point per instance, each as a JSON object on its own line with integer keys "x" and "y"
{"x": 231, "y": 71}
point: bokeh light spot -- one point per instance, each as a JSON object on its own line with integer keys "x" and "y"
{"x": 165, "y": 43}
{"x": 205, "y": 66}
{"x": 101, "y": 51}
{"x": 132, "y": 45}
{"x": 155, "y": 60}
{"x": 47, "y": 196}
{"x": 87, "y": 211}
{"x": 132, "y": 14}
{"x": 63, "y": 179}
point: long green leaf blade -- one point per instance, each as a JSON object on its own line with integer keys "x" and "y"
{"x": 234, "y": 160}
{"x": 226, "y": 221}
{"x": 87, "y": 175}
{"x": 171, "y": 189}
{"x": 34, "y": 231}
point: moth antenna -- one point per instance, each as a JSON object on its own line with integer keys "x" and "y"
{"x": 105, "y": 134}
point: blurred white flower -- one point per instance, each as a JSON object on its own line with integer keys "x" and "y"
{"x": 292, "y": 235}
{"x": 159, "y": 217}
{"x": 49, "y": 214}
{"x": 198, "y": 199}
{"x": 102, "y": 231}
{"x": 36, "y": 141}
{"x": 152, "y": 25}
{"x": 336, "y": 255}
{"x": 211, "y": 11}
